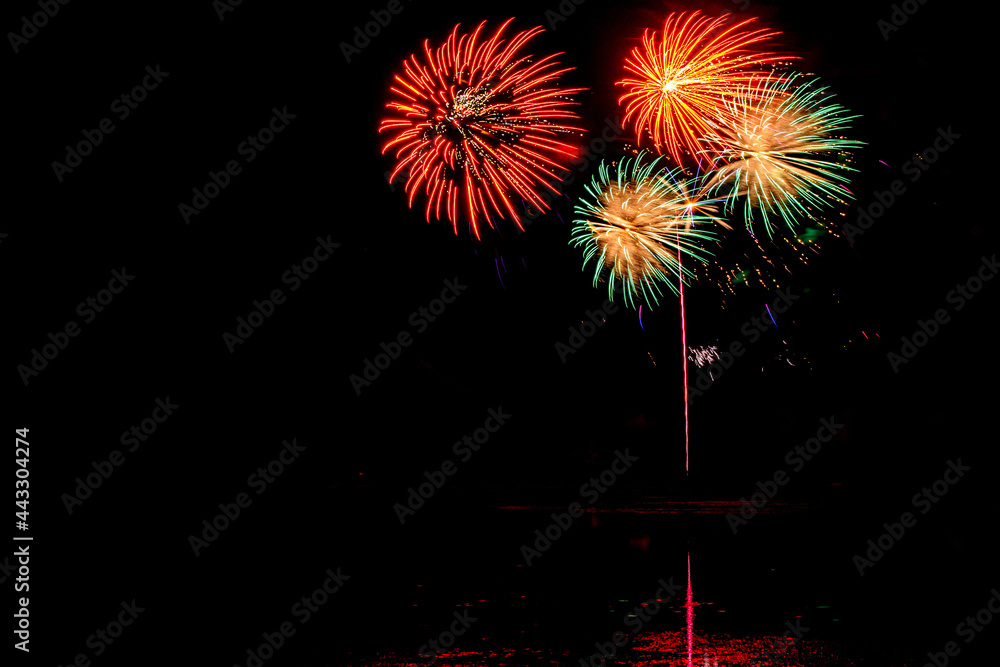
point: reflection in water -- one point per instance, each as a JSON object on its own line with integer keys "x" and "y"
{"x": 690, "y": 614}
{"x": 662, "y": 649}
{"x": 679, "y": 648}
{"x": 686, "y": 649}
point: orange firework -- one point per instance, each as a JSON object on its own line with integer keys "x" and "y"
{"x": 684, "y": 80}
{"x": 479, "y": 126}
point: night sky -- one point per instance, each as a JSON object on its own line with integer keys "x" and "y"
{"x": 321, "y": 183}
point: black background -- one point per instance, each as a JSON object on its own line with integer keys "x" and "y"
{"x": 324, "y": 175}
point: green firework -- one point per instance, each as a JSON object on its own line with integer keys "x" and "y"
{"x": 785, "y": 158}
{"x": 643, "y": 225}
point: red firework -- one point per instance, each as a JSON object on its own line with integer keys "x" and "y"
{"x": 683, "y": 79}
{"x": 480, "y": 126}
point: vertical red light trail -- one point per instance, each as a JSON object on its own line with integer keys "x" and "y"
{"x": 680, "y": 273}
{"x": 690, "y": 617}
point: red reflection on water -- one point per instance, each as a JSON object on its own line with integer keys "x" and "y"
{"x": 690, "y": 615}
{"x": 686, "y": 649}
{"x": 679, "y": 648}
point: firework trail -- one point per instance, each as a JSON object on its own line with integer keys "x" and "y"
{"x": 687, "y": 403}
{"x": 638, "y": 224}
{"x": 478, "y": 125}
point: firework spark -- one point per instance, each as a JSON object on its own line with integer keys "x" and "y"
{"x": 478, "y": 125}
{"x": 637, "y": 223}
{"x": 785, "y": 156}
{"x": 703, "y": 354}
{"x": 684, "y": 78}
{"x": 742, "y": 260}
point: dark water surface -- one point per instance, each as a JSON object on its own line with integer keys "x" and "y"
{"x": 777, "y": 592}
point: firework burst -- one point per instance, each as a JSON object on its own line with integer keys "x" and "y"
{"x": 785, "y": 156}
{"x": 638, "y": 223}
{"x": 683, "y": 79}
{"x": 477, "y": 126}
